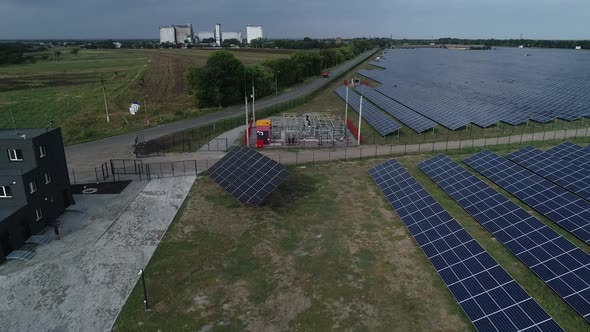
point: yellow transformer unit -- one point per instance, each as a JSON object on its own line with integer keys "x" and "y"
{"x": 263, "y": 123}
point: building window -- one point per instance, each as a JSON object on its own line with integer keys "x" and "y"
{"x": 33, "y": 186}
{"x": 47, "y": 178}
{"x": 38, "y": 214}
{"x": 42, "y": 151}
{"x": 15, "y": 154}
{"x": 5, "y": 192}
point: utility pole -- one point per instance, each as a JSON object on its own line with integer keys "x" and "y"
{"x": 346, "y": 106}
{"x": 253, "y": 100}
{"x": 277, "y": 72}
{"x": 247, "y": 133}
{"x": 361, "y": 112}
{"x": 104, "y": 95}
{"x": 360, "y": 117}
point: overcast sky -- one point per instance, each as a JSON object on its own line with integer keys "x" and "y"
{"x": 543, "y": 19}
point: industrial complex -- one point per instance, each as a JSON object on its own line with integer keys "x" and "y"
{"x": 183, "y": 34}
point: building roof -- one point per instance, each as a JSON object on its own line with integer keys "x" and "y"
{"x": 23, "y": 133}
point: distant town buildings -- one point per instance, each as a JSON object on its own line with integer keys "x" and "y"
{"x": 253, "y": 32}
{"x": 34, "y": 184}
{"x": 183, "y": 34}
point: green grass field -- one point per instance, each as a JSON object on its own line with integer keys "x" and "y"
{"x": 69, "y": 93}
{"x": 325, "y": 252}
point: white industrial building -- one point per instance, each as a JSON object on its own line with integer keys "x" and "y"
{"x": 176, "y": 34}
{"x": 231, "y": 35}
{"x": 167, "y": 34}
{"x": 217, "y": 35}
{"x": 202, "y": 35}
{"x": 253, "y": 32}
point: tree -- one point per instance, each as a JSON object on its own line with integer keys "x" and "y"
{"x": 257, "y": 43}
{"x": 309, "y": 61}
{"x": 290, "y": 71}
{"x": 56, "y": 55}
{"x": 75, "y": 51}
{"x": 230, "y": 42}
{"x": 219, "y": 83}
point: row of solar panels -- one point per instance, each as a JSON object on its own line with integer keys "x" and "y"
{"x": 456, "y": 94}
{"x": 564, "y": 267}
{"x": 381, "y": 122}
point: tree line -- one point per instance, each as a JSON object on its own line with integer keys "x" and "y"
{"x": 17, "y": 53}
{"x": 225, "y": 80}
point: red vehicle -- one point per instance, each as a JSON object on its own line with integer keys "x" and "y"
{"x": 326, "y": 74}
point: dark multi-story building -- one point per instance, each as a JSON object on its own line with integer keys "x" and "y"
{"x": 34, "y": 184}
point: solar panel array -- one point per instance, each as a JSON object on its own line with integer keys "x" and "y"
{"x": 571, "y": 177}
{"x": 559, "y": 263}
{"x": 417, "y": 122}
{"x": 380, "y": 121}
{"x": 248, "y": 175}
{"x": 567, "y": 210}
{"x": 492, "y": 300}
{"x": 456, "y": 88}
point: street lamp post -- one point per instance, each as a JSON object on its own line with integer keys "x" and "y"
{"x": 277, "y": 72}
{"x": 145, "y": 299}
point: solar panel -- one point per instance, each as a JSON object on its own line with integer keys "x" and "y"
{"x": 492, "y": 300}
{"x": 248, "y": 175}
{"x": 416, "y": 121}
{"x": 381, "y": 122}
{"x": 567, "y": 210}
{"x": 561, "y": 172}
{"x": 566, "y": 151}
{"x": 559, "y": 263}
{"x": 583, "y": 158}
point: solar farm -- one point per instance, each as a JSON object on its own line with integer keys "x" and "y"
{"x": 486, "y": 241}
{"x": 426, "y": 88}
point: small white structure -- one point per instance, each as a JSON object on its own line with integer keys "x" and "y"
{"x": 167, "y": 34}
{"x": 578, "y": 47}
{"x": 253, "y": 32}
{"x": 521, "y": 46}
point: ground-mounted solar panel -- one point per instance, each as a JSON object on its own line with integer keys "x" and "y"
{"x": 583, "y": 158}
{"x": 561, "y": 172}
{"x": 380, "y": 121}
{"x": 566, "y": 151}
{"x": 416, "y": 121}
{"x": 492, "y": 300}
{"x": 562, "y": 207}
{"x": 559, "y": 263}
{"x": 248, "y": 175}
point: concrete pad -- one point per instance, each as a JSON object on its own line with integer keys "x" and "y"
{"x": 81, "y": 282}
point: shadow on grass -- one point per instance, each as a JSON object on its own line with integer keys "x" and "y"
{"x": 295, "y": 187}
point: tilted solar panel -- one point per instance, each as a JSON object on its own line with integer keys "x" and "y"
{"x": 380, "y": 121}
{"x": 567, "y": 210}
{"x": 248, "y": 175}
{"x": 559, "y": 263}
{"x": 561, "y": 172}
{"x": 416, "y": 121}
{"x": 492, "y": 300}
{"x": 566, "y": 151}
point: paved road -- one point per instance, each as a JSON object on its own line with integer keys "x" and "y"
{"x": 91, "y": 154}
